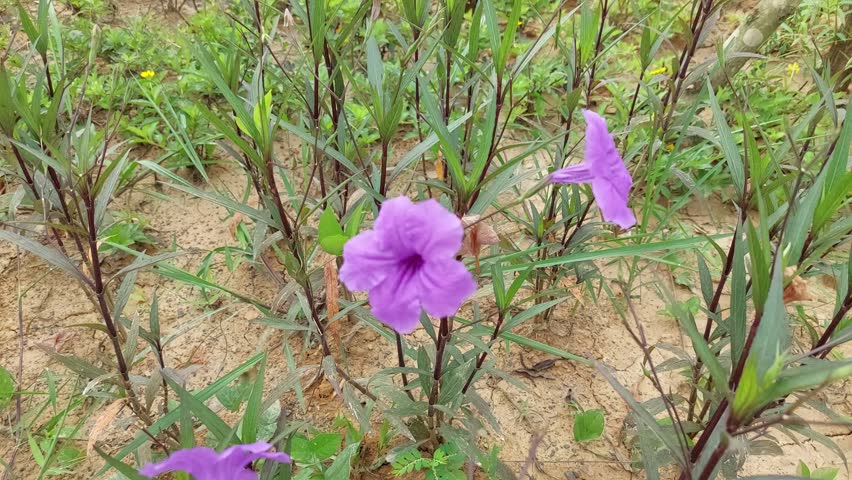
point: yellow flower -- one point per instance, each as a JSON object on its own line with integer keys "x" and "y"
{"x": 792, "y": 69}
{"x": 658, "y": 71}
{"x": 147, "y": 74}
{"x": 670, "y": 147}
{"x": 520, "y": 22}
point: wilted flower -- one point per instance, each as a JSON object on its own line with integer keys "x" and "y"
{"x": 797, "y": 288}
{"x": 407, "y": 262}
{"x": 605, "y": 170}
{"x": 287, "y": 19}
{"x": 147, "y": 74}
{"x": 476, "y": 235}
{"x": 205, "y": 464}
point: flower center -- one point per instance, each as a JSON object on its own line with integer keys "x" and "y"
{"x": 413, "y": 262}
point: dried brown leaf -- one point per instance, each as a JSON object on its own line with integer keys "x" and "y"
{"x": 332, "y": 293}
{"x": 103, "y": 422}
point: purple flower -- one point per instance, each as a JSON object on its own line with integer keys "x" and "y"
{"x": 407, "y": 262}
{"x": 605, "y": 170}
{"x": 205, "y": 464}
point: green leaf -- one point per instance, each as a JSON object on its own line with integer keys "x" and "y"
{"x": 49, "y": 255}
{"x": 208, "y": 417}
{"x": 773, "y": 333}
{"x": 739, "y": 303}
{"x": 325, "y": 445}
{"x": 174, "y": 415}
{"x": 588, "y": 425}
{"x": 825, "y": 473}
{"x": 232, "y": 397}
{"x": 122, "y": 467}
{"x": 331, "y": 235}
{"x": 253, "y": 410}
{"x": 341, "y": 467}
{"x": 702, "y": 349}
{"x": 747, "y": 392}
{"x": 7, "y": 387}
{"x": 729, "y": 146}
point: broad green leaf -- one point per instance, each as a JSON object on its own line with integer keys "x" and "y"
{"x": 331, "y": 235}
{"x": 588, "y": 425}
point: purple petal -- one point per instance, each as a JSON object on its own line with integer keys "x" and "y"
{"x": 425, "y": 228}
{"x": 613, "y": 203}
{"x": 437, "y": 232}
{"x": 580, "y": 173}
{"x": 200, "y": 462}
{"x": 601, "y": 155}
{"x": 235, "y": 460}
{"x": 393, "y": 224}
{"x": 394, "y": 302}
{"x": 444, "y": 286}
{"x": 253, "y": 451}
{"x": 365, "y": 261}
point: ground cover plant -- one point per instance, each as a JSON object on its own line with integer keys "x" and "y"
{"x": 443, "y": 239}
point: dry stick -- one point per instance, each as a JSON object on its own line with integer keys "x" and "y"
{"x": 531, "y": 456}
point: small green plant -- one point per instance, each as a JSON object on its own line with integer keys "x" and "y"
{"x": 321, "y": 456}
{"x": 824, "y": 473}
{"x": 446, "y": 463}
{"x": 588, "y": 425}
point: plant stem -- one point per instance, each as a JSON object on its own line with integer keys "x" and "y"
{"x": 106, "y": 315}
{"x": 400, "y": 359}
{"x": 832, "y": 326}
{"x": 384, "y": 172}
{"x": 481, "y": 359}
{"x": 440, "y": 346}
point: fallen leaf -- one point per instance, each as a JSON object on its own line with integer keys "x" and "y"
{"x": 103, "y": 422}
{"x": 332, "y": 292}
